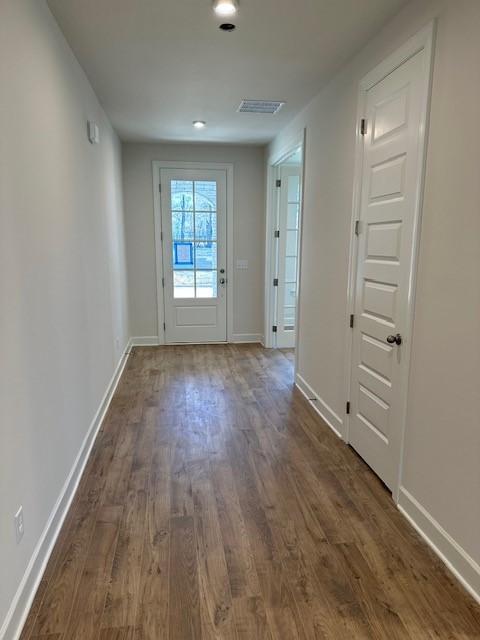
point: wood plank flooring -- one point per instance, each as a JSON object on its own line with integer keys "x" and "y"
{"x": 217, "y": 505}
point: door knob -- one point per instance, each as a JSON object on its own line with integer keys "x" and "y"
{"x": 395, "y": 339}
{"x": 222, "y": 280}
{"x": 222, "y": 270}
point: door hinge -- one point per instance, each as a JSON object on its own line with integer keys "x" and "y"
{"x": 275, "y": 282}
{"x": 357, "y": 227}
{"x": 274, "y": 328}
{"x": 363, "y": 126}
{"x": 164, "y": 326}
{"x": 163, "y": 282}
{"x": 278, "y": 183}
{"x": 160, "y": 188}
{"x": 352, "y": 320}
{"x": 161, "y": 235}
{"x": 277, "y": 233}
{"x": 347, "y": 408}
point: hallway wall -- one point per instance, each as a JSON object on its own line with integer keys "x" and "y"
{"x": 441, "y": 475}
{"x": 63, "y": 297}
{"x": 249, "y": 228}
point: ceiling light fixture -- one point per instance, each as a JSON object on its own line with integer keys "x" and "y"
{"x": 225, "y": 7}
{"x": 199, "y": 124}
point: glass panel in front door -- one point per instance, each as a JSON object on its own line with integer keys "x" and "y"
{"x": 194, "y": 238}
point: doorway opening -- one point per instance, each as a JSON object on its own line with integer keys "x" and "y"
{"x": 284, "y": 218}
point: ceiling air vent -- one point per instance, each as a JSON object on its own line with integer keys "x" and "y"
{"x": 260, "y": 106}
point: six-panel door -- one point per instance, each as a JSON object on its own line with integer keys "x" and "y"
{"x": 389, "y": 201}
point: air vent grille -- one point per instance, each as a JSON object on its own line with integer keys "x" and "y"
{"x": 260, "y": 106}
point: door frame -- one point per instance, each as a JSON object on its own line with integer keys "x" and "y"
{"x": 273, "y": 163}
{"x": 157, "y": 166}
{"x": 422, "y": 41}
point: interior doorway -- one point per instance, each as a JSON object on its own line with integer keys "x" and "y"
{"x": 283, "y": 249}
{"x": 391, "y": 145}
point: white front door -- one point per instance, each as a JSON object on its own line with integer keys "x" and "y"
{"x": 194, "y": 229}
{"x": 390, "y": 196}
{"x": 288, "y": 251}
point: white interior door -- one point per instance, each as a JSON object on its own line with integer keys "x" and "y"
{"x": 194, "y": 230}
{"x": 391, "y": 181}
{"x": 288, "y": 251}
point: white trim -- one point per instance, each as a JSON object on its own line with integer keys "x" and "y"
{"x": 463, "y": 566}
{"x": 428, "y": 36}
{"x": 144, "y": 341}
{"x": 300, "y": 252}
{"x": 23, "y": 599}
{"x": 422, "y": 41}
{"x": 236, "y": 338}
{"x": 157, "y": 166}
{"x": 321, "y": 407}
{"x": 270, "y": 217}
{"x": 273, "y": 162}
{"x": 191, "y": 344}
{"x": 247, "y": 338}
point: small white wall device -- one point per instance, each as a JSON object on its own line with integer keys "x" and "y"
{"x": 93, "y": 132}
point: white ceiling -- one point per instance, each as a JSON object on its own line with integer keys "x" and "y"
{"x": 157, "y": 65}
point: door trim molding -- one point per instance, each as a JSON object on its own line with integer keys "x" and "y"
{"x": 273, "y": 162}
{"x": 422, "y": 41}
{"x": 157, "y": 166}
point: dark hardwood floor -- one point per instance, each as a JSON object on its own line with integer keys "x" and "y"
{"x": 216, "y": 504}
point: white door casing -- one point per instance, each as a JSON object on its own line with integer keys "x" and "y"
{"x": 288, "y": 255}
{"x": 391, "y": 185}
{"x": 295, "y": 143}
{"x": 195, "y": 263}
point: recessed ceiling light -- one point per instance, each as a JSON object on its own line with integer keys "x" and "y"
{"x": 225, "y": 7}
{"x": 199, "y": 124}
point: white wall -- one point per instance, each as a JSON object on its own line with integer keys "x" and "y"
{"x": 442, "y": 451}
{"x": 63, "y": 309}
{"x": 249, "y": 228}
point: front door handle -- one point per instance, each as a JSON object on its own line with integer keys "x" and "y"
{"x": 395, "y": 339}
{"x": 222, "y": 281}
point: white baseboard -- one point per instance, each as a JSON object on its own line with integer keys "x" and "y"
{"x": 237, "y": 338}
{"x": 20, "y": 607}
{"x": 463, "y": 567}
{"x": 247, "y": 338}
{"x": 321, "y": 407}
{"x": 144, "y": 341}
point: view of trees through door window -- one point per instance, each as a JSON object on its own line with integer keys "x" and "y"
{"x": 194, "y": 238}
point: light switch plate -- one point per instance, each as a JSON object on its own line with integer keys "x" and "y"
{"x": 19, "y": 525}
{"x": 93, "y": 132}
